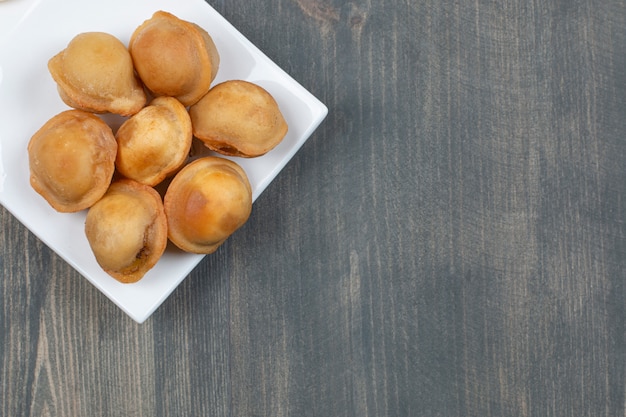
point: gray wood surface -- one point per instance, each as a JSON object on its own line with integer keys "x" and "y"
{"x": 450, "y": 242}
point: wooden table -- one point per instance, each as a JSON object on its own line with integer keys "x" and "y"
{"x": 450, "y": 242}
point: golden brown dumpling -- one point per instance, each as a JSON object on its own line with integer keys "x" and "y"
{"x": 155, "y": 142}
{"x": 238, "y": 118}
{"x": 95, "y": 73}
{"x": 206, "y": 202}
{"x": 72, "y": 160}
{"x": 174, "y": 57}
{"x": 127, "y": 230}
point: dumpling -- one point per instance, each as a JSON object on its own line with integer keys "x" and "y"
{"x": 174, "y": 57}
{"x": 95, "y": 73}
{"x": 127, "y": 230}
{"x": 207, "y": 201}
{"x": 238, "y": 118}
{"x": 72, "y": 160}
{"x": 155, "y": 142}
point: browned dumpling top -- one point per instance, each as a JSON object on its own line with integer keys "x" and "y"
{"x": 72, "y": 160}
{"x": 127, "y": 230}
{"x": 238, "y": 118}
{"x": 206, "y": 202}
{"x": 95, "y": 73}
{"x": 155, "y": 142}
{"x": 174, "y": 57}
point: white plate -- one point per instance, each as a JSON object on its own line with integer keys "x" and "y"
{"x": 35, "y": 30}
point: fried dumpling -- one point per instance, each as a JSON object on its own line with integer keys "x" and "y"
{"x": 207, "y": 201}
{"x": 72, "y": 160}
{"x": 95, "y": 73}
{"x": 127, "y": 230}
{"x": 155, "y": 142}
{"x": 238, "y": 118}
{"x": 174, "y": 57}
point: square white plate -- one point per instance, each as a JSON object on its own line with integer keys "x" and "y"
{"x": 32, "y": 31}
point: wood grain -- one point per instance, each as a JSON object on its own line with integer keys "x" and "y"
{"x": 450, "y": 242}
